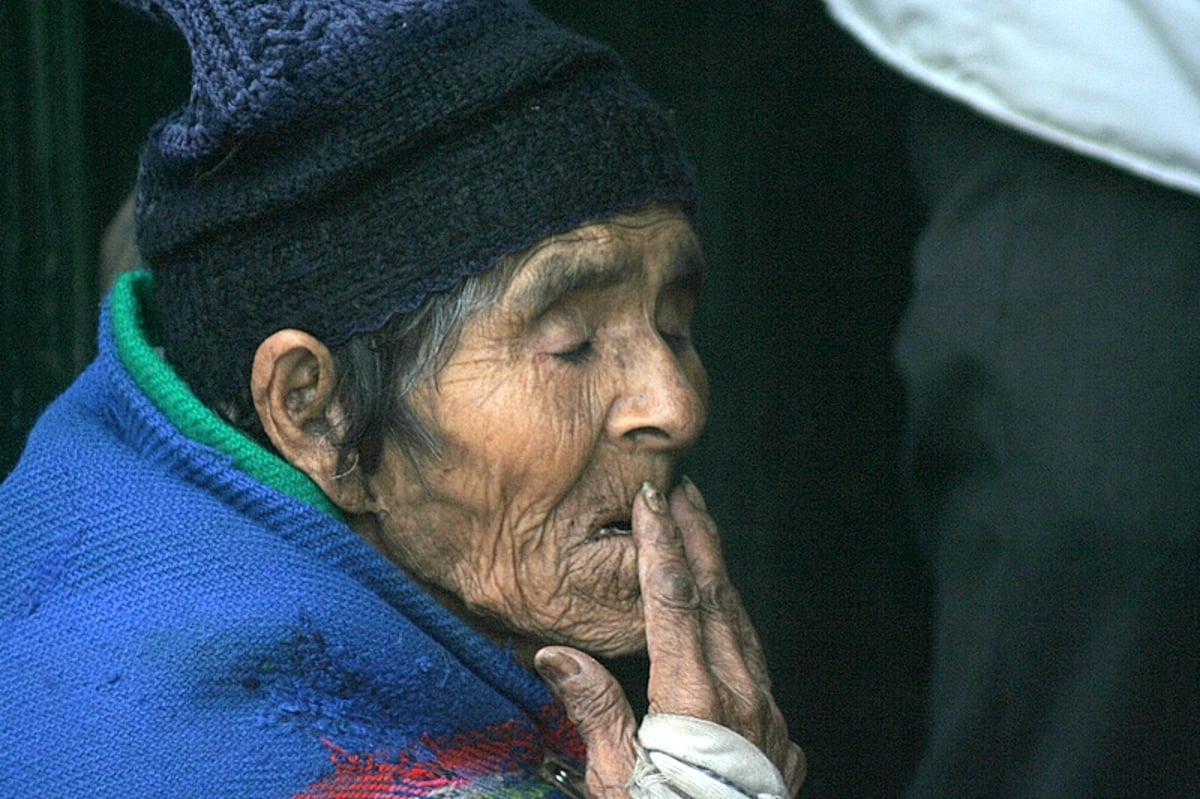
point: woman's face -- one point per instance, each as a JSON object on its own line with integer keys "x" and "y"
{"x": 579, "y": 384}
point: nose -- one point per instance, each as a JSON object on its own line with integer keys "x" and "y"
{"x": 662, "y": 398}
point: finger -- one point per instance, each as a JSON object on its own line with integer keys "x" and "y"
{"x": 679, "y": 678}
{"x": 732, "y": 644}
{"x": 743, "y": 692}
{"x": 595, "y": 702}
{"x": 795, "y": 769}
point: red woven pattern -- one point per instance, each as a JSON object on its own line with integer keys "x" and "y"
{"x": 449, "y": 767}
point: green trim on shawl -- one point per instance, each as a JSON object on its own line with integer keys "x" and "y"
{"x": 132, "y": 333}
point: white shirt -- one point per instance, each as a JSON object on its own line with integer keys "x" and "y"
{"x": 1117, "y": 80}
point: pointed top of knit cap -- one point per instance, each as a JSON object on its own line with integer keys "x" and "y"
{"x": 340, "y": 160}
{"x": 257, "y": 64}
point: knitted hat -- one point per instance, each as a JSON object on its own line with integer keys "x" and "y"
{"x": 340, "y": 160}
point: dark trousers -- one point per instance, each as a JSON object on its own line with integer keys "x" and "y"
{"x": 1051, "y": 353}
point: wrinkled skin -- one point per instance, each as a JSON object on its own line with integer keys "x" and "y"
{"x": 561, "y": 408}
{"x": 557, "y": 404}
{"x": 705, "y": 657}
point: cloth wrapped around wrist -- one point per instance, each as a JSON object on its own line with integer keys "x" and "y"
{"x": 699, "y": 759}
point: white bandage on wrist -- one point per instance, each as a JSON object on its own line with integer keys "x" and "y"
{"x": 699, "y": 759}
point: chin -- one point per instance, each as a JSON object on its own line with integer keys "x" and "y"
{"x": 622, "y": 649}
{"x": 606, "y": 639}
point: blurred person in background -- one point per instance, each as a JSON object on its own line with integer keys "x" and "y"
{"x": 1051, "y": 352}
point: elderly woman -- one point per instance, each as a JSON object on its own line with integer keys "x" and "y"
{"x": 389, "y": 424}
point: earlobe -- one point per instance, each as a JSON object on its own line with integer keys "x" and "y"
{"x": 292, "y": 383}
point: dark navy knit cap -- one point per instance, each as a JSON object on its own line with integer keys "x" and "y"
{"x": 340, "y": 160}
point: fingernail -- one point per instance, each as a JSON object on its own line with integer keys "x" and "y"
{"x": 693, "y": 494}
{"x": 654, "y": 498}
{"x": 554, "y": 666}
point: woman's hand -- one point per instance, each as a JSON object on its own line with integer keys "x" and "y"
{"x": 705, "y": 657}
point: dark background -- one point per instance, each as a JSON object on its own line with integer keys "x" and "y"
{"x": 805, "y": 219}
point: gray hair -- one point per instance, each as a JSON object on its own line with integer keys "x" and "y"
{"x": 376, "y": 374}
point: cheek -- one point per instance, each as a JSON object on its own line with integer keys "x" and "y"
{"x": 524, "y": 442}
{"x": 547, "y": 422}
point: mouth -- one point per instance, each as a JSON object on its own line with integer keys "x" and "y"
{"x": 616, "y": 528}
{"x": 611, "y": 513}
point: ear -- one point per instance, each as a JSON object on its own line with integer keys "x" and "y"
{"x": 292, "y": 383}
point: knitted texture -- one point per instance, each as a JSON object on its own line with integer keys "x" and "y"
{"x": 195, "y": 420}
{"x": 170, "y": 626}
{"x": 340, "y": 161}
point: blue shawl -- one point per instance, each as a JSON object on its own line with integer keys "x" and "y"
{"x": 182, "y": 614}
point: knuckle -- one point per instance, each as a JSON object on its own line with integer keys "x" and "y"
{"x": 678, "y": 590}
{"x": 717, "y": 596}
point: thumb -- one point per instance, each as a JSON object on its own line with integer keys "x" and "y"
{"x": 596, "y": 703}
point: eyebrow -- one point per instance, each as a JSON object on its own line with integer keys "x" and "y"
{"x": 560, "y": 274}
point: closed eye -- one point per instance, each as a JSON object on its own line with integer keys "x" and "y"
{"x": 578, "y": 355}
